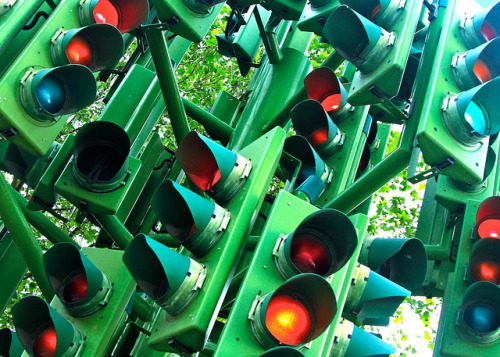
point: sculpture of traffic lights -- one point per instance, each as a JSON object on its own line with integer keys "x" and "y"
{"x": 455, "y": 96}
{"x": 376, "y": 37}
{"x": 10, "y": 346}
{"x": 52, "y": 76}
{"x": 190, "y": 19}
{"x": 470, "y": 318}
{"x": 187, "y": 330}
{"x": 286, "y": 296}
{"x": 93, "y": 289}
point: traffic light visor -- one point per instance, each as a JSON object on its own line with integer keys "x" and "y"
{"x": 192, "y": 220}
{"x": 282, "y": 351}
{"x": 122, "y": 14}
{"x": 78, "y": 283}
{"x": 488, "y": 218}
{"x": 167, "y": 277}
{"x": 482, "y": 26}
{"x": 479, "y": 316}
{"x": 42, "y": 330}
{"x": 48, "y": 93}
{"x": 96, "y": 47}
{"x": 10, "y": 344}
{"x": 100, "y": 151}
{"x": 310, "y": 120}
{"x": 357, "y": 39}
{"x": 323, "y": 85}
{"x": 381, "y": 12}
{"x": 322, "y": 244}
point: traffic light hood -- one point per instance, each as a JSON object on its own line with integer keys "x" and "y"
{"x": 381, "y": 12}
{"x": 9, "y": 343}
{"x": 482, "y": 26}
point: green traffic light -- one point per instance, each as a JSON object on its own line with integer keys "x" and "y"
{"x": 97, "y": 46}
{"x": 357, "y": 39}
{"x": 192, "y": 220}
{"x": 100, "y": 156}
{"x": 213, "y": 168}
{"x": 77, "y": 282}
{"x": 169, "y": 278}
{"x": 322, "y": 244}
{"x": 43, "y": 331}
{"x": 48, "y": 93}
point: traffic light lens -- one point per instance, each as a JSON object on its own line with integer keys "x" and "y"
{"x": 79, "y": 51}
{"x": 488, "y": 30}
{"x": 76, "y": 289}
{"x": 318, "y": 137}
{"x": 287, "y": 319}
{"x": 487, "y": 271}
{"x": 474, "y": 115}
{"x": 489, "y": 228}
{"x": 310, "y": 254}
{"x": 482, "y": 71}
{"x": 482, "y": 318}
{"x": 332, "y": 102}
{"x": 106, "y": 13}
{"x": 50, "y": 94}
{"x": 46, "y": 343}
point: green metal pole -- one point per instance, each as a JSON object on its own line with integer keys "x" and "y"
{"x": 142, "y": 309}
{"x": 41, "y": 223}
{"x": 115, "y": 229}
{"x": 168, "y": 83}
{"x": 208, "y": 120}
{"x": 24, "y": 238}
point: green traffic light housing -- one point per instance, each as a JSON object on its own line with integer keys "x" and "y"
{"x": 484, "y": 261}
{"x": 43, "y": 331}
{"x": 282, "y": 351}
{"x": 401, "y": 260}
{"x": 322, "y": 244}
{"x": 352, "y": 341}
{"x": 310, "y": 189}
{"x": 357, "y": 39}
{"x": 310, "y": 120}
{"x": 192, "y": 220}
{"x": 100, "y": 156}
{"x": 96, "y": 47}
{"x": 211, "y": 167}
{"x": 373, "y": 299}
{"x": 171, "y": 279}
{"x": 478, "y": 65}
{"x": 10, "y": 346}
{"x": 471, "y": 116}
{"x": 478, "y": 318}
{"x": 77, "y": 282}
{"x": 382, "y": 12}
{"x": 297, "y": 312}
{"x": 481, "y": 26}
{"x": 202, "y": 6}
{"x": 125, "y": 15}
{"x": 48, "y": 93}
{"x": 323, "y": 85}
{"x": 312, "y": 164}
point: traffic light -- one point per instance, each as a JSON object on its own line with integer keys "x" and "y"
{"x": 286, "y": 296}
{"x": 401, "y": 260}
{"x": 192, "y": 220}
{"x": 211, "y": 167}
{"x": 43, "y": 331}
{"x": 10, "y": 346}
{"x": 171, "y": 279}
{"x": 190, "y": 19}
{"x": 455, "y": 94}
{"x": 488, "y": 218}
{"x": 310, "y": 162}
{"x": 77, "y": 282}
{"x": 376, "y": 37}
{"x": 52, "y": 76}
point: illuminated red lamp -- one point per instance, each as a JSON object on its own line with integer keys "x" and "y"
{"x": 77, "y": 282}
{"x": 46, "y": 342}
{"x": 297, "y": 312}
{"x": 323, "y": 85}
{"x": 322, "y": 244}
{"x": 211, "y": 167}
{"x": 482, "y": 26}
{"x": 488, "y": 218}
{"x": 125, "y": 15}
{"x": 484, "y": 261}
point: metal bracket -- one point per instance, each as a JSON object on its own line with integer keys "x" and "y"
{"x": 388, "y": 105}
{"x": 8, "y": 133}
{"x": 184, "y": 350}
{"x": 433, "y": 171}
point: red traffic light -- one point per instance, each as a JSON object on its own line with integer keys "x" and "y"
{"x": 76, "y": 288}
{"x": 484, "y": 261}
{"x": 488, "y": 218}
{"x": 123, "y": 14}
{"x": 46, "y": 342}
{"x": 481, "y": 26}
